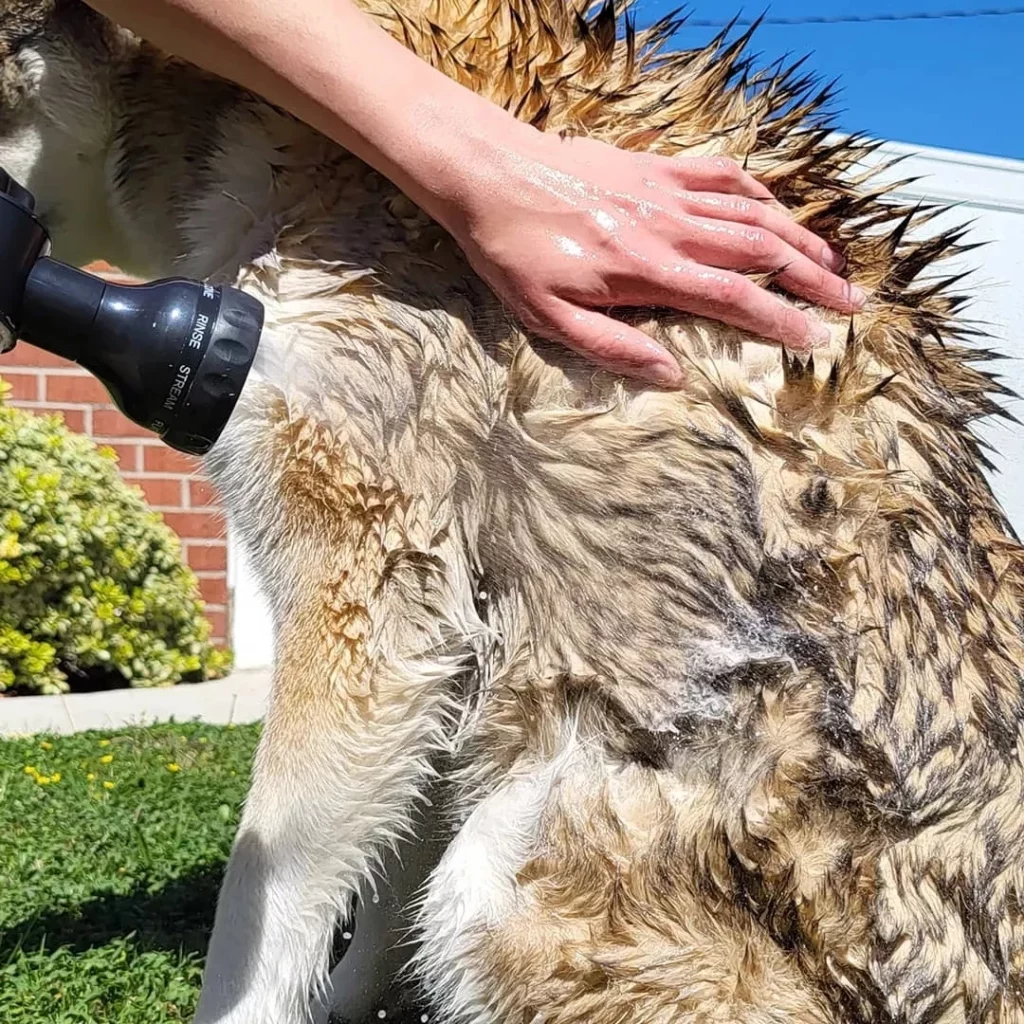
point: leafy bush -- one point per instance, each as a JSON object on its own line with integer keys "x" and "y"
{"x": 92, "y": 584}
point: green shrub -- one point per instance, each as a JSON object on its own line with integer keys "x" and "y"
{"x": 92, "y": 584}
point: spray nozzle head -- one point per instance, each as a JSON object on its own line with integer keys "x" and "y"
{"x": 173, "y": 354}
{"x": 16, "y": 192}
{"x": 23, "y": 240}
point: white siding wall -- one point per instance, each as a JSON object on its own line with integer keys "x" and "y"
{"x": 252, "y": 633}
{"x": 991, "y": 192}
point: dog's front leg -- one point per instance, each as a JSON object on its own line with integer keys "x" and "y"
{"x": 343, "y": 753}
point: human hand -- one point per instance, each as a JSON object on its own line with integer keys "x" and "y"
{"x": 562, "y": 229}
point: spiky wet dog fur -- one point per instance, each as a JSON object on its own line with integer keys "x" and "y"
{"x": 729, "y": 678}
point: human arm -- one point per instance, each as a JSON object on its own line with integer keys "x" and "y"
{"x": 561, "y": 229}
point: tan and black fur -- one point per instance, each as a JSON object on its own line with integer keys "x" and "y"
{"x": 728, "y": 681}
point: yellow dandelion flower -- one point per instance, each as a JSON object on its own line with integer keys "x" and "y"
{"x": 109, "y": 785}
{"x": 55, "y": 777}
{"x": 29, "y": 769}
{"x": 42, "y": 780}
{"x": 46, "y": 745}
{"x": 104, "y": 743}
{"x": 106, "y": 758}
{"x": 174, "y": 767}
{"x": 90, "y": 777}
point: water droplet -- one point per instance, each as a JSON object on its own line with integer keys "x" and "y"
{"x": 346, "y": 936}
{"x": 382, "y": 1014}
{"x": 569, "y": 246}
{"x": 376, "y": 898}
{"x": 424, "y": 1018}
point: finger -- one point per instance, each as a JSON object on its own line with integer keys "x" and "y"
{"x": 732, "y": 299}
{"x": 773, "y": 219}
{"x": 733, "y": 246}
{"x": 610, "y": 343}
{"x": 718, "y": 174}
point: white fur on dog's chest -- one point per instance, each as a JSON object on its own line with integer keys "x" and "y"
{"x": 474, "y": 888}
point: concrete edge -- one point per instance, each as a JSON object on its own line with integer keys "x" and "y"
{"x": 240, "y": 698}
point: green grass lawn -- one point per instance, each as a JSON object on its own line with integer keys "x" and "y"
{"x": 112, "y": 847}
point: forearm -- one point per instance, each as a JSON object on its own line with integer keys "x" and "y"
{"x": 328, "y": 64}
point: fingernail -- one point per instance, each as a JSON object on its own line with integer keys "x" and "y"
{"x": 833, "y": 260}
{"x": 666, "y": 375}
{"x": 819, "y": 333}
{"x": 857, "y": 296}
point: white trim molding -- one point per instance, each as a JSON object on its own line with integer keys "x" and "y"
{"x": 948, "y": 176}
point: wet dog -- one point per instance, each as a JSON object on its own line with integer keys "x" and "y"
{"x": 722, "y": 686}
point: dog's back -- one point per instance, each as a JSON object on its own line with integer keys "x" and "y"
{"x": 729, "y": 676}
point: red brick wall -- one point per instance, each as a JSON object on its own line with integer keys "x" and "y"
{"x": 172, "y": 484}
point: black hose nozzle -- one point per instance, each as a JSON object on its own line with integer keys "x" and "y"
{"x": 173, "y": 354}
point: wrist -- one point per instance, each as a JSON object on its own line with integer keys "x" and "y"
{"x": 458, "y": 153}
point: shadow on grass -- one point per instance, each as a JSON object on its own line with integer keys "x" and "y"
{"x": 176, "y": 916}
